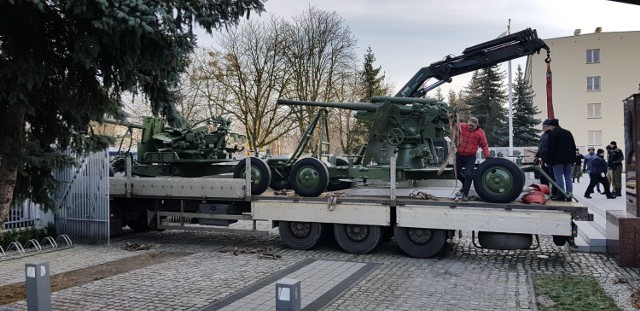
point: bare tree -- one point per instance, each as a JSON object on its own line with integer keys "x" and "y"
{"x": 253, "y": 74}
{"x": 320, "y": 53}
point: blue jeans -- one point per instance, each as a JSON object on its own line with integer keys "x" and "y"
{"x": 563, "y": 175}
{"x": 466, "y": 175}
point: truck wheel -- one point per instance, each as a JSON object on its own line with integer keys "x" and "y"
{"x": 300, "y": 235}
{"x": 260, "y": 175}
{"x": 420, "y": 242}
{"x": 560, "y": 240}
{"x": 498, "y": 180}
{"x": 504, "y": 241}
{"x": 309, "y": 177}
{"x": 336, "y": 184}
{"x": 140, "y": 223}
{"x": 357, "y": 239}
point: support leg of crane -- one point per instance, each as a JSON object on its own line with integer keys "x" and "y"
{"x": 300, "y": 235}
{"x": 357, "y": 239}
{"x": 420, "y": 242}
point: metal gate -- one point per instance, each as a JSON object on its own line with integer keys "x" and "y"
{"x": 84, "y": 204}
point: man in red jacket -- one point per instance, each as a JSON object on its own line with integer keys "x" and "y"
{"x": 471, "y": 136}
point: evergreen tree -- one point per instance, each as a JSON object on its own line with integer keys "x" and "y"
{"x": 372, "y": 79}
{"x": 485, "y": 97}
{"x": 438, "y": 95}
{"x": 524, "y": 112}
{"x": 64, "y": 63}
{"x": 373, "y": 85}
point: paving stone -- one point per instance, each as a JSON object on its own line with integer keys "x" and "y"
{"x": 461, "y": 278}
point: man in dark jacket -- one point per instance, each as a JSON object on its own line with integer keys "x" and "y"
{"x": 615, "y": 164}
{"x": 561, "y": 154}
{"x": 542, "y": 153}
{"x": 598, "y": 175}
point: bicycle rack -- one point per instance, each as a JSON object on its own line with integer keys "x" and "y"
{"x": 2, "y": 254}
{"x": 35, "y": 244}
{"x": 65, "y": 238}
{"x": 18, "y": 247}
{"x": 49, "y": 240}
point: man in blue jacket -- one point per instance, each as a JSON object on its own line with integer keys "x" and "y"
{"x": 598, "y": 174}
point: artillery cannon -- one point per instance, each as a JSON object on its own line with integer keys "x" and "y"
{"x": 207, "y": 148}
{"x": 410, "y": 129}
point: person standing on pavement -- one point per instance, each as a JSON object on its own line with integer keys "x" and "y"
{"x": 615, "y": 164}
{"x": 561, "y": 155}
{"x": 471, "y": 137}
{"x": 586, "y": 167}
{"x": 577, "y": 166}
{"x": 542, "y": 153}
{"x": 598, "y": 175}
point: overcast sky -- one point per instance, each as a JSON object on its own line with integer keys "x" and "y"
{"x": 406, "y": 35}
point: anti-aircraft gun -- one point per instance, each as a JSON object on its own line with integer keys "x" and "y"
{"x": 410, "y": 129}
{"x": 204, "y": 149}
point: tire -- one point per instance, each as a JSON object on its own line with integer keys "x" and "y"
{"x": 260, "y": 175}
{"x": 309, "y": 177}
{"x": 560, "y": 240}
{"x": 498, "y": 180}
{"x": 139, "y": 224}
{"x": 504, "y": 241}
{"x": 300, "y": 235}
{"x": 336, "y": 184}
{"x": 357, "y": 239}
{"x": 279, "y": 183}
{"x": 419, "y": 242}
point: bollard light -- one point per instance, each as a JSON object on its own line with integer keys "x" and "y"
{"x": 38, "y": 285}
{"x": 288, "y": 295}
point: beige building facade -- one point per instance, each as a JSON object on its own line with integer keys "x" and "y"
{"x": 592, "y": 73}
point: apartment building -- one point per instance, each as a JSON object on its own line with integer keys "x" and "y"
{"x": 592, "y": 74}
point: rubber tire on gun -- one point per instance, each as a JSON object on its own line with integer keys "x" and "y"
{"x": 498, "y": 180}
{"x": 336, "y": 184}
{"x": 309, "y": 177}
{"x": 260, "y": 175}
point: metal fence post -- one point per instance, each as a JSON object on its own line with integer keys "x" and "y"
{"x": 38, "y": 285}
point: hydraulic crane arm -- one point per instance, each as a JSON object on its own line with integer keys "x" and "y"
{"x": 525, "y": 42}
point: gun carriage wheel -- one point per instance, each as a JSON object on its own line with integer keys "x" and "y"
{"x": 280, "y": 179}
{"x": 498, "y": 180}
{"x": 309, "y": 177}
{"x": 337, "y": 184}
{"x": 260, "y": 175}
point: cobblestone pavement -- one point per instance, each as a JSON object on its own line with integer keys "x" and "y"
{"x": 461, "y": 278}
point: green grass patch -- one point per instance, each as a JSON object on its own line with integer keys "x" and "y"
{"x": 563, "y": 292}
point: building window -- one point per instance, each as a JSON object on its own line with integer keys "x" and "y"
{"x": 593, "y": 56}
{"x": 593, "y": 110}
{"x": 593, "y": 83}
{"x": 595, "y": 138}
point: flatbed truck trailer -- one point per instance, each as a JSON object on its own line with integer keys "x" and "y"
{"x": 422, "y": 220}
